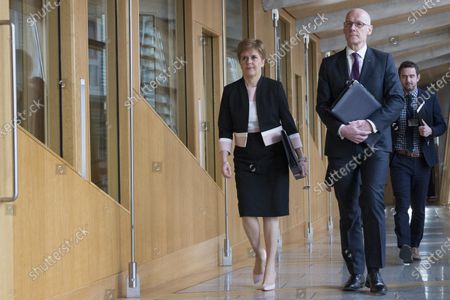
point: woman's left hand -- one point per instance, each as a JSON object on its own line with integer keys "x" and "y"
{"x": 304, "y": 165}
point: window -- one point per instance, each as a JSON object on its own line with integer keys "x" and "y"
{"x": 103, "y": 95}
{"x": 237, "y": 30}
{"x": 161, "y": 26}
{"x": 38, "y": 69}
{"x": 313, "y": 120}
{"x": 283, "y": 63}
{"x": 207, "y": 107}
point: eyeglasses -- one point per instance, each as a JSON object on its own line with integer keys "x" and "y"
{"x": 358, "y": 24}
{"x": 249, "y": 58}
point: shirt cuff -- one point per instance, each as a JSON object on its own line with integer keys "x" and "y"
{"x": 295, "y": 140}
{"x": 339, "y": 132}
{"x": 225, "y": 144}
{"x": 374, "y": 128}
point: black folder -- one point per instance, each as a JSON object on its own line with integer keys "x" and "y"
{"x": 292, "y": 158}
{"x": 356, "y": 103}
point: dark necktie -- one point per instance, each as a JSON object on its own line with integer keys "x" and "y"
{"x": 409, "y": 129}
{"x": 355, "y": 67}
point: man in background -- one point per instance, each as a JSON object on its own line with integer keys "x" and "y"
{"x": 413, "y": 157}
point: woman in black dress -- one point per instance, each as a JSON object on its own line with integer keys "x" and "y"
{"x": 254, "y": 110}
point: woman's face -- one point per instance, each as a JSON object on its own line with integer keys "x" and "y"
{"x": 251, "y": 63}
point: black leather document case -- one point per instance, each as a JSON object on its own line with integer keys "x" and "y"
{"x": 355, "y": 103}
{"x": 292, "y": 158}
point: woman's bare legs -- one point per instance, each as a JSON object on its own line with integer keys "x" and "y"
{"x": 271, "y": 232}
{"x": 251, "y": 227}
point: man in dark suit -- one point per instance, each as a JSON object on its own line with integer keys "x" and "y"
{"x": 360, "y": 190}
{"x": 414, "y": 156}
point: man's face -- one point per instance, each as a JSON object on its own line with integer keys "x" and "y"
{"x": 409, "y": 79}
{"x": 356, "y": 28}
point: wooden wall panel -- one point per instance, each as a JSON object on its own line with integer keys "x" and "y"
{"x": 67, "y": 232}
{"x": 208, "y": 13}
{"x": 261, "y": 28}
{"x": 6, "y": 253}
{"x": 201, "y": 16}
{"x": 177, "y": 206}
{"x": 74, "y": 66}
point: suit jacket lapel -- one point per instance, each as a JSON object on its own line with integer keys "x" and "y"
{"x": 367, "y": 65}
{"x": 342, "y": 66}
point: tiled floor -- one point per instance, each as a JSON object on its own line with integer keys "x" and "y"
{"x": 317, "y": 271}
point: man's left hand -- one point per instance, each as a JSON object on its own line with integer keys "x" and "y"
{"x": 425, "y": 130}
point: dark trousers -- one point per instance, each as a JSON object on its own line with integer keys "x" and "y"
{"x": 360, "y": 195}
{"x": 410, "y": 178}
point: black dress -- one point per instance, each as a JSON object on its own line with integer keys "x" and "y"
{"x": 262, "y": 178}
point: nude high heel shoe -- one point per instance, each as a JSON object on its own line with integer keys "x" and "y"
{"x": 258, "y": 277}
{"x": 269, "y": 286}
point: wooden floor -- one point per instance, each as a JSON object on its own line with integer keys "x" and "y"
{"x": 317, "y": 271}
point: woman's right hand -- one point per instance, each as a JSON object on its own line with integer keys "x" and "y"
{"x": 226, "y": 169}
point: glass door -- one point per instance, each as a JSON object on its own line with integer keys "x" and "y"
{"x": 237, "y": 30}
{"x": 162, "y": 65}
{"x": 8, "y": 189}
{"x": 103, "y": 95}
{"x": 206, "y": 111}
{"x": 38, "y": 69}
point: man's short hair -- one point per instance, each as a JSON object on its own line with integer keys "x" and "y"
{"x": 408, "y": 64}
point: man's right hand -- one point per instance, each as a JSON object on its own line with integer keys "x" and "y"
{"x": 352, "y": 133}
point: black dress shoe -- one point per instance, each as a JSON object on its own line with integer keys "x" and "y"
{"x": 376, "y": 284}
{"x": 354, "y": 283}
{"x": 405, "y": 254}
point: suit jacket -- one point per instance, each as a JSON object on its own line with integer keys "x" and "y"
{"x": 272, "y": 107}
{"x": 431, "y": 114}
{"x": 379, "y": 77}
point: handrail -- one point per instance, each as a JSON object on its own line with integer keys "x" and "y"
{"x": 14, "y": 112}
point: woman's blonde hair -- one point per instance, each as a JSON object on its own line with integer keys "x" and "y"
{"x": 248, "y": 44}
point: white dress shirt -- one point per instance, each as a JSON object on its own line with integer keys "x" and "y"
{"x": 349, "y": 54}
